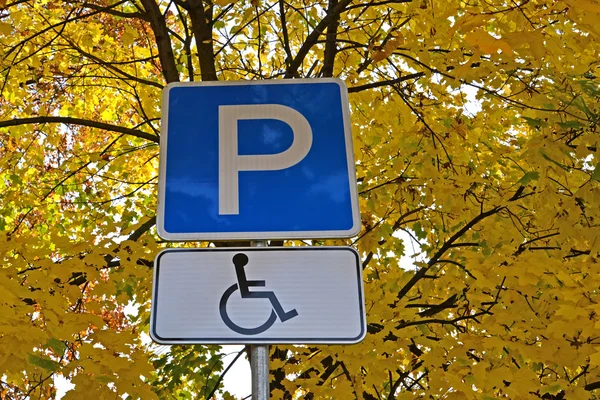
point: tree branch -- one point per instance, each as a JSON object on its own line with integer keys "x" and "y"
{"x": 187, "y": 43}
{"x": 330, "y": 41}
{"x": 441, "y": 261}
{"x": 109, "y": 10}
{"x": 61, "y": 23}
{"x": 286, "y": 38}
{"x": 204, "y": 41}
{"x": 81, "y": 122}
{"x": 218, "y": 382}
{"x": 145, "y": 227}
{"x": 110, "y": 66}
{"x": 447, "y": 245}
{"x": 390, "y": 82}
{"x": 163, "y": 42}
{"x": 292, "y": 69}
{"x": 592, "y": 386}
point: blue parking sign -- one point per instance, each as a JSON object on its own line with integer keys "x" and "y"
{"x": 257, "y": 160}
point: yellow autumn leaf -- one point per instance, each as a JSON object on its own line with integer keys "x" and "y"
{"x": 486, "y": 42}
{"x": 387, "y": 50}
{"x": 5, "y": 28}
{"x": 571, "y": 312}
{"x": 577, "y": 393}
{"x": 223, "y": 2}
{"x": 462, "y": 71}
{"x": 595, "y": 358}
{"x": 587, "y": 5}
{"x": 379, "y": 55}
{"x": 468, "y": 22}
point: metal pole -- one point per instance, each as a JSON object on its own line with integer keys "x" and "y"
{"x": 259, "y": 359}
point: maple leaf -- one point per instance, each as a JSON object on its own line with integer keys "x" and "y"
{"x": 486, "y": 42}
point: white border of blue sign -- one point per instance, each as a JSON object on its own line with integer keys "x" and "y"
{"x": 325, "y": 234}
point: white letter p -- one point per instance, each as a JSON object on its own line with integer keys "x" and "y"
{"x": 230, "y": 162}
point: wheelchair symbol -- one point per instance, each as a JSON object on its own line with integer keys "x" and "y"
{"x": 240, "y": 260}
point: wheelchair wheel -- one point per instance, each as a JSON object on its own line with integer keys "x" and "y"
{"x": 244, "y": 331}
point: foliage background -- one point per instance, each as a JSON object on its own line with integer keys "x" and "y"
{"x": 504, "y": 200}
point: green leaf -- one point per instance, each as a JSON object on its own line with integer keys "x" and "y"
{"x": 105, "y": 379}
{"x": 552, "y": 161}
{"x": 552, "y": 389}
{"x": 571, "y": 125}
{"x": 581, "y": 104}
{"x": 56, "y": 345}
{"x": 16, "y": 179}
{"x": 528, "y": 177}
{"x": 535, "y": 123}
{"x": 596, "y": 173}
{"x": 42, "y": 362}
{"x": 419, "y": 232}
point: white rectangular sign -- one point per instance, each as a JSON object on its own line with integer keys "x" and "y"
{"x": 258, "y": 295}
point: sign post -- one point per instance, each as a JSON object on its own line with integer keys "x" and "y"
{"x": 259, "y": 359}
{"x": 259, "y": 368}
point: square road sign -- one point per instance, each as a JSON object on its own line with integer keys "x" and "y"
{"x": 257, "y": 160}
